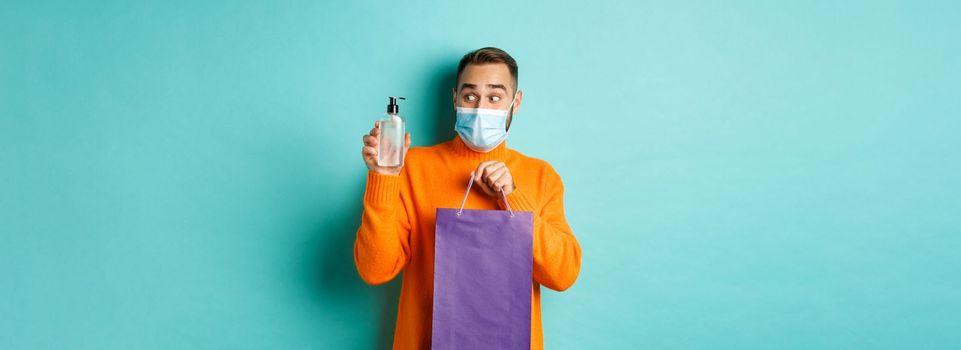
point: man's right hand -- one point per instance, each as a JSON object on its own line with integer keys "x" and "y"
{"x": 369, "y": 152}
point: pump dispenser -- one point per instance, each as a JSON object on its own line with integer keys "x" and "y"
{"x": 392, "y": 131}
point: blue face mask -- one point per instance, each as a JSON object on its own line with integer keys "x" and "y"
{"x": 482, "y": 129}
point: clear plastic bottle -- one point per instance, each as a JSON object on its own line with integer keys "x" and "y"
{"x": 392, "y": 130}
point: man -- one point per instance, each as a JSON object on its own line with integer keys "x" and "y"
{"x": 397, "y": 228}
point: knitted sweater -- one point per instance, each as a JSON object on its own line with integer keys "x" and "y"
{"x": 397, "y": 228}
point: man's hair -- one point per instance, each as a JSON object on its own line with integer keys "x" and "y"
{"x": 488, "y": 55}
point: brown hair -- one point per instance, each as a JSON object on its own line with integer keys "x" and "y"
{"x": 487, "y": 55}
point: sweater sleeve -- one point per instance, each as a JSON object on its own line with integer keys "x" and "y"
{"x": 557, "y": 255}
{"x": 382, "y": 245}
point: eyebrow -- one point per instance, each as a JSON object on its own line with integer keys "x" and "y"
{"x": 491, "y": 86}
{"x": 497, "y": 86}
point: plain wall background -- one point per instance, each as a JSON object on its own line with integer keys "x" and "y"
{"x": 187, "y": 174}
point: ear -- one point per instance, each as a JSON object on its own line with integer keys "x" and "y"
{"x": 517, "y": 107}
{"x": 453, "y": 96}
{"x": 517, "y": 103}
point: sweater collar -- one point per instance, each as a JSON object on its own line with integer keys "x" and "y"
{"x": 461, "y": 149}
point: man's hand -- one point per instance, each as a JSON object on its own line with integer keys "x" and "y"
{"x": 492, "y": 176}
{"x": 369, "y": 152}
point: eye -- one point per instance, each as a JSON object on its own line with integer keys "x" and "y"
{"x": 495, "y": 98}
{"x": 470, "y": 98}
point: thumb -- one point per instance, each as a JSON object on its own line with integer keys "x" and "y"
{"x": 406, "y": 141}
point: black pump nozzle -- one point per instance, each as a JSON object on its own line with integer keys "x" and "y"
{"x": 392, "y": 106}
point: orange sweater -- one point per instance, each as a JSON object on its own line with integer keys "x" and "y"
{"x": 397, "y": 228}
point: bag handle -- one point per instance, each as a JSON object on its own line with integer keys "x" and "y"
{"x": 471, "y": 182}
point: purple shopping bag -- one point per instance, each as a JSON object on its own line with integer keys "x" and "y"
{"x": 483, "y": 262}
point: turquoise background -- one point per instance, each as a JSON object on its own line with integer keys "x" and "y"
{"x": 187, "y": 174}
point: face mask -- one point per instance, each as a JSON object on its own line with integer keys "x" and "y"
{"x": 482, "y": 129}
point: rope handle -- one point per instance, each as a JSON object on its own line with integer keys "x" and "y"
{"x": 469, "y": 184}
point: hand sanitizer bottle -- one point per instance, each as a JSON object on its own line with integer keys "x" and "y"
{"x": 392, "y": 130}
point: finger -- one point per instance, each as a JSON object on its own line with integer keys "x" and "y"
{"x": 406, "y": 141}
{"x": 482, "y": 168}
{"x": 479, "y": 171}
{"x": 369, "y": 152}
{"x": 376, "y": 130}
{"x": 483, "y": 186}
{"x": 482, "y": 175}
{"x": 370, "y": 140}
{"x": 503, "y": 183}
{"x": 495, "y": 185}
{"x": 494, "y": 167}
{"x": 497, "y": 174}
{"x": 484, "y": 164}
{"x": 479, "y": 183}
{"x": 490, "y": 170}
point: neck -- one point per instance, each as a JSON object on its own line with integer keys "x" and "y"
{"x": 462, "y": 150}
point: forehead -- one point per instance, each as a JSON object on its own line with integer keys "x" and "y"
{"x": 484, "y": 74}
